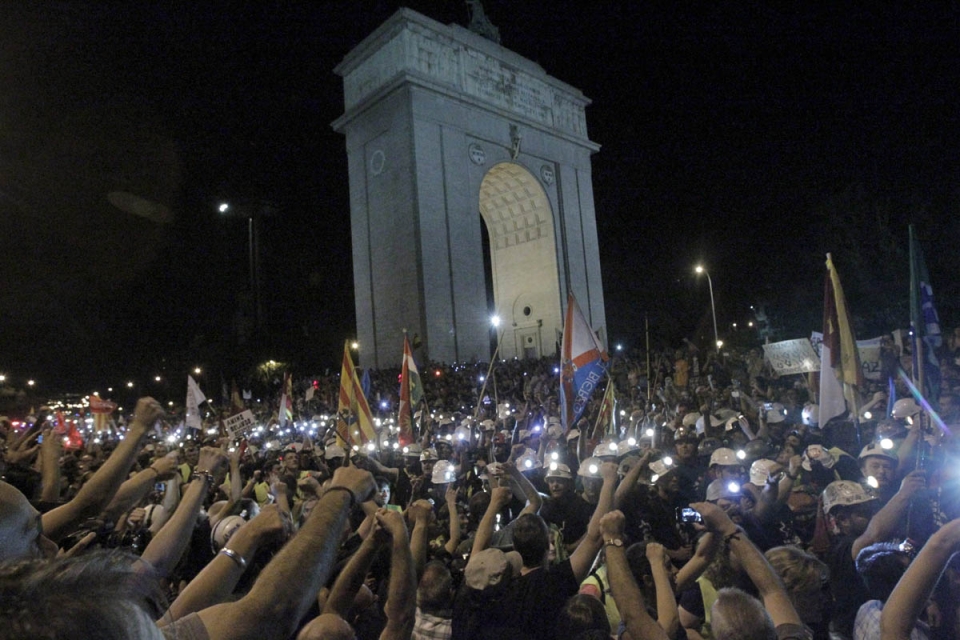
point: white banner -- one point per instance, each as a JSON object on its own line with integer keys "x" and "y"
{"x": 869, "y": 351}
{"x": 792, "y": 356}
{"x": 240, "y": 424}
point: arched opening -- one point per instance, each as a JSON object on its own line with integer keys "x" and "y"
{"x": 523, "y": 271}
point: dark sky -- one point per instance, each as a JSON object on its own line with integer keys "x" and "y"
{"x": 752, "y": 139}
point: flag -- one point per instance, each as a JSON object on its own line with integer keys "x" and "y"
{"x": 236, "y": 402}
{"x": 840, "y": 372}
{"x": 354, "y": 420}
{"x": 606, "y": 417}
{"x": 582, "y": 364}
{"x": 924, "y": 325}
{"x": 285, "y": 413}
{"x": 61, "y": 424}
{"x": 195, "y": 398}
{"x": 366, "y": 384}
{"x": 101, "y": 410}
{"x": 411, "y": 393}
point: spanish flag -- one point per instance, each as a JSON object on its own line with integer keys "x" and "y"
{"x": 354, "y": 419}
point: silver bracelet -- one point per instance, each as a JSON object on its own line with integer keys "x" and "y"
{"x": 236, "y": 557}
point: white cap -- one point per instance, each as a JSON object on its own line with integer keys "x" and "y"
{"x": 607, "y": 448}
{"x": 904, "y": 408}
{"x": 224, "y": 530}
{"x": 760, "y": 471}
{"x": 844, "y": 493}
{"x": 443, "y": 472}
{"x": 691, "y": 418}
{"x": 334, "y": 451}
{"x": 810, "y": 415}
{"x": 874, "y": 449}
{"x": 528, "y": 460}
{"x": 660, "y": 469}
{"x": 559, "y": 470}
{"x": 590, "y": 468}
{"x": 776, "y": 413}
{"x": 724, "y": 457}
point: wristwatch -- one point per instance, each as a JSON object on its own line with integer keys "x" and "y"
{"x": 613, "y": 542}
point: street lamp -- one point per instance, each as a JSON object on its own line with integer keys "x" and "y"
{"x": 713, "y": 308}
{"x": 252, "y": 211}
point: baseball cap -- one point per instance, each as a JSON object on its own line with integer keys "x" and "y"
{"x": 490, "y": 567}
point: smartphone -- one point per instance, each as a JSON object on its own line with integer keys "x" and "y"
{"x": 686, "y": 515}
{"x": 160, "y": 487}
{"x": 40, "y": 439}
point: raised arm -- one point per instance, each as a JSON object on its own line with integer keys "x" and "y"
{"x": 586, "y": 552}
{"x": 350, "y": 580}
{"x": 50, "y": 452}
{"x": 530, "y": 493}
{"x": 220, "y": 577}
{"x": 136, "y": 488}
{"x": 451, "y": 498}
{"x": 97, "y": 492}
{"x": 629, "y": 481}
{"x": 272, "y": 609}
{"x": 668, "y": 616}
{"x": 911, "y": 594}
{"x": 884, "y": 524}
{"x": 707, "y": 547}
{"x": 499, "y": 498}
{"x": 171, "y": 541}
{"x": 400, "y": 607}
{"x": 765, "y": 579}
{"x": 625, "y": 591}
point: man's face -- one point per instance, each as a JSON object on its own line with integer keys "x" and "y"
{"x": 881, "y": 469}
{"x": 591, "y": 489}
{"x": 686, "y": 449}
{"x": 427, "y": 466}
{"x": 854, "y": 520}
{"x": 559, "y": 487}
{"x": 191, "y": 453}
{"x": 291, "y": 462}
{"x": 730, "y": 472}
{"x": 669, "y": 483}
{"x": 160, "y": 450}
{"x": 21, "y": 535}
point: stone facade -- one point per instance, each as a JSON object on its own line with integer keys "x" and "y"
{"x": 447, "y": 132}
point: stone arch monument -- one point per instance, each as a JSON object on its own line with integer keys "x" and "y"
{"x": 447, "y": 132}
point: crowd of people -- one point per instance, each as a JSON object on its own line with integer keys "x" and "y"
{"x": 710, "y": 503}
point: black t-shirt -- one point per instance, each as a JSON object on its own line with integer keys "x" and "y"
{"x": 571, "y": 514}
{"x": 527, "y": 608}
{"x": 846, "y": 585}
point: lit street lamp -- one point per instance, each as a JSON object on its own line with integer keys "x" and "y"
{"x": 713, "y": 308}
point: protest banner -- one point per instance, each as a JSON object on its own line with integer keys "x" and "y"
{"x": 792, "y": 356}
{"x": 869, "y": 351}
{"x": 240, "y": 424}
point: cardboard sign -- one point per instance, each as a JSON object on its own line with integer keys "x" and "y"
{"x": 792, "y": 356}
{"x": 240, "y": 424}
{"x": 869, "y": 351}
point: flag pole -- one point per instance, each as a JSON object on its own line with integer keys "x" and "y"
{"x": 483, "y": 388}
{"x": 646, "y": 322}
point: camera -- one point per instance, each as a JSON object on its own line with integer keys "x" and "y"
{"x": 686, "y": 515}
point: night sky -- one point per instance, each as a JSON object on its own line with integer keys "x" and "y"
{"x": 751, "y": 139}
